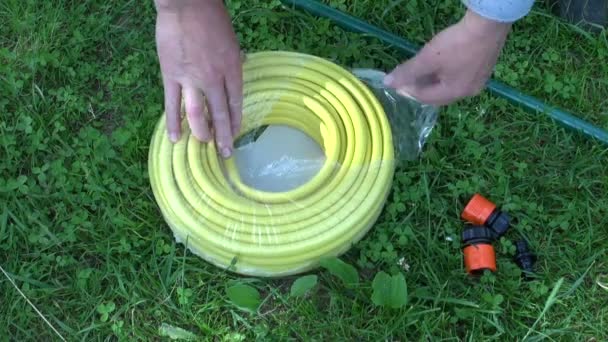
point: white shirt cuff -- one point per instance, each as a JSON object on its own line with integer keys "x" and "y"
{"x": 500, "y": 10}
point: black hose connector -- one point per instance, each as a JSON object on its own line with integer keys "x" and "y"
{"x": 525, "y": 259}
{"x": 499, "y": 222}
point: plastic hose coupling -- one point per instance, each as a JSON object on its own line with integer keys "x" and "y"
{"x": 525, "y": 259}
{"x": 478, "y": 251}
{"x": 482, "y": 212}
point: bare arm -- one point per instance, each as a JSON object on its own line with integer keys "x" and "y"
{"x": 459, "y": 60}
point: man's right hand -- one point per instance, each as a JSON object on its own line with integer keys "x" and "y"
{"x": 200, "y": 60}
{"x": 455, "y": 64}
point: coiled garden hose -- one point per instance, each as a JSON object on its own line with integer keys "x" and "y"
{"x": 228, "y": 223}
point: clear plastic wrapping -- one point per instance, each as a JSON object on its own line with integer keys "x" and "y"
{"x": 311, "y": 173}
{"x": 411, "y": 121}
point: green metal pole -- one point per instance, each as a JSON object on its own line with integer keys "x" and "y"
{"x": 495, "y": 87}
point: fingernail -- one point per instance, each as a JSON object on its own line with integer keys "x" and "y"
{"x": 202, "y": 137}
{"x": 174, "y": 137}
{"x": 226, "y": 152}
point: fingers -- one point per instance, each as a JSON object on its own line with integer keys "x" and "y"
{"x": 220, "y": 113}
{"x": 417, "y": 72}
{"x": 234, "y": 92}
{"x": 419, "y": 78}
{"x": 437, "y": 94}
{"x": 196, "y": 113}
{"x": 173, "y": 108}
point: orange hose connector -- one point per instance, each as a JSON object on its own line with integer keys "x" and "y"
{"x": 479, "y": 254}
{"x": 478, "y": 210}
{"x": 479, "y": 257}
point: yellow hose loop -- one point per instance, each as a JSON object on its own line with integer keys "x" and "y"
{"x": 221, "y": 219}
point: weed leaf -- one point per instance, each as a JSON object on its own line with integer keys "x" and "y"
{"x": 346, "y": 272}
{"x": 244, "y": 297}
{"x": 105, "y": 310}
{"x": 302, "y": 285}
{"x": 389, "y": 291}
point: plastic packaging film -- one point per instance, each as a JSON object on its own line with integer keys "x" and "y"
{"x": 411, "y": 121}
{"x": 309, "y": 186}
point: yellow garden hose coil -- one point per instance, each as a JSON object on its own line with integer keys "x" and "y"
{"x": 221, "y": 219}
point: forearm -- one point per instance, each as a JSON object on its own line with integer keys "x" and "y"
{"x": 500, "y": 10}
{"x": 480, "y": 27}
{"x": 180, "y": 5}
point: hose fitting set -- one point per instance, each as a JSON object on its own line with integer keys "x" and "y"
{"x": 487, "y": 223}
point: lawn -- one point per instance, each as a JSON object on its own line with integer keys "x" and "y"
{"x": 82, "y": 238}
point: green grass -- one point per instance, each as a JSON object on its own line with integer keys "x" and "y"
{"x": 81, "y": 235}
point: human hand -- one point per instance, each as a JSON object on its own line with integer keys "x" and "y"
{"x": 455, "y": 64}
{"x": 200, "y": 60}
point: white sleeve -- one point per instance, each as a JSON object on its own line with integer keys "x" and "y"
{"x": 500, "y": 10}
